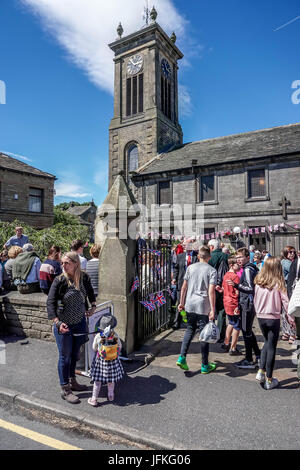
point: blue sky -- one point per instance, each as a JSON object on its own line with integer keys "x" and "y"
{"x": 241, "y": 59}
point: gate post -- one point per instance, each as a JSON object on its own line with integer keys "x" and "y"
{"x": 117, "y": 258}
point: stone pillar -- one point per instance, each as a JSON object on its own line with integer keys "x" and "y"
{"x": 117, "y": 257}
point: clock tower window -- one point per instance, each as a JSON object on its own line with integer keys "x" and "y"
{"x": 135, "y": 95}
{"x": 166, "y": 96}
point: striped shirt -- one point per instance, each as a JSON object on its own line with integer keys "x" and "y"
{"x": 48, "y": 271}
{"x": 93, "y": 271}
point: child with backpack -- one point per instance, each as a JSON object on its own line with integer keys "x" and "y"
{"x": 269, "y": 299}
{"x": 106, "y": 367}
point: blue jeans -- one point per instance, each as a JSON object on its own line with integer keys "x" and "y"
{"x": 194, "y": 322}
{"x": 68, "y": 349}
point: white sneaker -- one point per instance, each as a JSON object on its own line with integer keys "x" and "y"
{"x": 261, "y": 376}
{"x": 271, "y": 385}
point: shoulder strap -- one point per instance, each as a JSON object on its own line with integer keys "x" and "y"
{"x": 298, "y": 269}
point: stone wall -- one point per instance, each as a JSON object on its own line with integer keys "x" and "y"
{"x": 25, "y": 315}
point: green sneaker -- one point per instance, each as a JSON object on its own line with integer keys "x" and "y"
{"x": 209, "y": 368}
{"x": 182, "y": 363}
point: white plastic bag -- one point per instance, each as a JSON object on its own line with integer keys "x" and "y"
{"x": 294, "y": 304}
{"x": 210, "y": 333}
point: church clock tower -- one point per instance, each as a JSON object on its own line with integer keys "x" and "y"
{"x": 145, "y": 121}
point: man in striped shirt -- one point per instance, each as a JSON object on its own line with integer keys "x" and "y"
{"x": 92, "y": 268}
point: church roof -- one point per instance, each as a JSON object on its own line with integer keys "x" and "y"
{"x": 229, "y": 149}
{"x": 10, "y": 163}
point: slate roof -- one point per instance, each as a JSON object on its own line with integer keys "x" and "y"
{"x": 10, "y": 163}
{"x": 78, "y": 210}
{"x": 239, "y": 147}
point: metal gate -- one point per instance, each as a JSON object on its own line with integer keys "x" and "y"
{"x": 154, "y": 272}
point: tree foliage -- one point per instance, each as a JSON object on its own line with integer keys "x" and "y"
{"x": 66, "y": 205}
{"x": 61, "y": 234}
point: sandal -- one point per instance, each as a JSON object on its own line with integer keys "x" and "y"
{"x": 92, "y": 402}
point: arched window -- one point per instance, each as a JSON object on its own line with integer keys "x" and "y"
{"x": 133, "y": 158}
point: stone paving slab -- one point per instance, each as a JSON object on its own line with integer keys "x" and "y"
{"x": 169, "y": 343}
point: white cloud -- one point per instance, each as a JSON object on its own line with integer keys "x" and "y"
{"x": 26, "y": 159}
{"x": 85, "y": 27}
{"x": 70, "y": 190}
{"x": 184, "y": 101}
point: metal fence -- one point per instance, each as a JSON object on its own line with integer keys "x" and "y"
{"x": 153, "y": 264}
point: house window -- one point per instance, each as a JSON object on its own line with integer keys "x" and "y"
{"x": 35, "y": 200}
{"x": 135, "y": 95}
{"x": 207, "y": 188}
{"x": 164, "y": 192}
{"x": 256, "y": 183}
{"x": 133, "y": 158}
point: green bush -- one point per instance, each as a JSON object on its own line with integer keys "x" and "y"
{"x": 61, "y": 234}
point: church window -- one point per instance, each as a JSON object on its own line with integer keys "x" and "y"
{"x": 135, "y": 95}
{"x": 164, "y": 192}
{"x": 256, "y": 183}
{"x": 133, "y": 158}
{"x": 207, "y": 188}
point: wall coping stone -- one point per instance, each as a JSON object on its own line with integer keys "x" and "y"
{"x": 14, "y": 297}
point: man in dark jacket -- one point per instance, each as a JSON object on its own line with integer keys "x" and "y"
{"x": 246, "y": 295}
{"x": 217, "y": 259}
{"x": 183, "y": 261}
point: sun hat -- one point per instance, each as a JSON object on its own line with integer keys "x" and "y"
{"x": 106, "y": 321}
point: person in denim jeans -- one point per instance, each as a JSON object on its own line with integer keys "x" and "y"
{"x": 67, "y": 306}
{"x": 198, "y": 298}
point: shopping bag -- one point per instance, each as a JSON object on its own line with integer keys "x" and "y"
{"x": 210, "y": 333}
{"x": 294, "y": 304}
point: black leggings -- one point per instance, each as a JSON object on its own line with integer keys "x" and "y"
{"x": 270, "y": 329}
{"x": 195, "y": 321}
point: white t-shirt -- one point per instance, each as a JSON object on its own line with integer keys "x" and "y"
{"x": 199, "y": 277}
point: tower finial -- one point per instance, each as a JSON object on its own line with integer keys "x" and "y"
{"x": 173, "y": 37}
{"x": 120, "y": 30}
{"x": 153, "y": 14}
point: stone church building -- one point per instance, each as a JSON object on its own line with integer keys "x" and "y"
{"x": 248, "y": 180}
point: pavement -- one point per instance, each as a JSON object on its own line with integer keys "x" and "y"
{"x": 157, "y": 405}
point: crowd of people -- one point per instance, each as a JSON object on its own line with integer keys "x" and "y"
{"x": 70, "y": 282}
{"x": 213, "y": 285}
{"x": 21, "y": 268}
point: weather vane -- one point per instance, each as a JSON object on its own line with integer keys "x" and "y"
{"x": 147, "y": 15}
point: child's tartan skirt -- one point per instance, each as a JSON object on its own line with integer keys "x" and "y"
{"x": 106, "y": 371}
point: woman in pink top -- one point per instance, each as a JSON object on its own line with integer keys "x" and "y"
{"x": 270, "y": 296}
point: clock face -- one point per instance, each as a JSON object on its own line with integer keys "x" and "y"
{"x": 166, "y": 68}
{"x": 135, "y": 64}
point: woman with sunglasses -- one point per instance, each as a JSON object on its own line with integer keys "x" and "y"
{"x": 288, "y": 255}
{"x": 67, "y": 306}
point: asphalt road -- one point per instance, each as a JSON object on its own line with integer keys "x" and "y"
{"x": 224, "y": 410}
{"x": 19, "y": 433}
